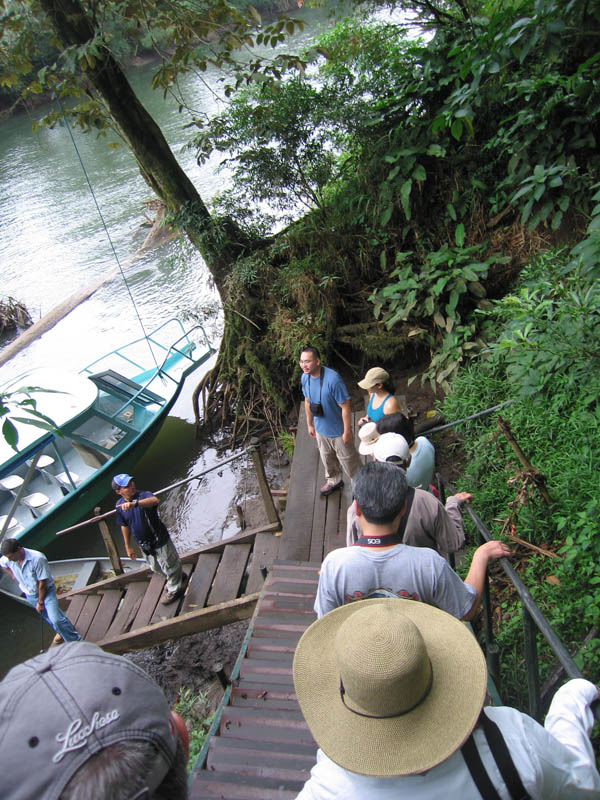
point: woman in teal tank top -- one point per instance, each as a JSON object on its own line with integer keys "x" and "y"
{"x": 381, "y": 395}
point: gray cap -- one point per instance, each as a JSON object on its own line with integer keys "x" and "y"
{"x": 61, "y": 707}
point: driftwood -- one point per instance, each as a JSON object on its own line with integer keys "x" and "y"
{"x": 538, "y": 478}
{"x": 537, "y": 549}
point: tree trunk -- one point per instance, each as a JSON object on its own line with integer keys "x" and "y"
{"x": 156, "y": 161}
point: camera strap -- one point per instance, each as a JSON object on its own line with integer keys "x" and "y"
{"x": 320, "y": 385}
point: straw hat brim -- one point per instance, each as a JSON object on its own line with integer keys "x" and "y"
{"x": 404, "y": 745}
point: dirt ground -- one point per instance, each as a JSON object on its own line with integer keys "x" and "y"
{"x": 192, "y": 662}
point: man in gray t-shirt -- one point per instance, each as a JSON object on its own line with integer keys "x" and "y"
{"x": 379, "y": 565}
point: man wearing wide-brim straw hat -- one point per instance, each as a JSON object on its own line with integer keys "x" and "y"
{"x": 393, "y": 691}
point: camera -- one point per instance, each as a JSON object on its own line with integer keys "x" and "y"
{"x": 316, "y": 409}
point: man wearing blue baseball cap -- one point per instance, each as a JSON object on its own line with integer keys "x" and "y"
{"x": 137, "y": 514}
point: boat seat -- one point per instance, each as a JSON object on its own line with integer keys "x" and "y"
{"x": 36, "y": 503}
{"x": 11, "y": 483}
{"x": 43, "y": 462}
{"x": 63, "y": 480}
{"x": 14, "y": 526}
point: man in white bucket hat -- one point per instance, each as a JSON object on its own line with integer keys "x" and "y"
{"x": 393, "y": 693}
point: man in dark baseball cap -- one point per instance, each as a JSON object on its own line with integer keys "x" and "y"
{"x": 77, "y": 723}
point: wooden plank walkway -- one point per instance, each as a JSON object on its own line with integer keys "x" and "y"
{"x": 224, "y": 581}
{"x": 313, "y": 525}
{"x": 262, "y": 747}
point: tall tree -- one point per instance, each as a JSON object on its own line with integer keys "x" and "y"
{"x": 85, "y": 66}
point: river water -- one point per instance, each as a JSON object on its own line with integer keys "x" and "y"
{"x": 53, "y": 242}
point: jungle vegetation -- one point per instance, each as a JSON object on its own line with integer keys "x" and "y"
{"x": 416, "y": 175}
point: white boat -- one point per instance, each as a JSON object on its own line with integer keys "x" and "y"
{"x": 105, "y": 417}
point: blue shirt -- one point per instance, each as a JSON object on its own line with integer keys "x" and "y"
{"x": 331, "y": 395}
{"x": 146, "y": 526}
{"x": 422, "y": 464}
{"x": 375, "y": 414}
{"x": 32, "y": 569}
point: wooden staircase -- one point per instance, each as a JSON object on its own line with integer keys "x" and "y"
{"x": 224, "y": 582}
{"x": 260, "y": 745}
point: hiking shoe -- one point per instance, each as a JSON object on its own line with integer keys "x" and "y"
{"x": 328, "y": 488}
{"x": 170, "y": 597}
{"x": 57, "y": 640}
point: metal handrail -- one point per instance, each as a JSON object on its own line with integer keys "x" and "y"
{"x": 533, "y": 622}
{"x": 161, "y": 370}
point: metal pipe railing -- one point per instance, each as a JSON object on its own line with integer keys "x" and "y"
{"x": 533, "y": 622}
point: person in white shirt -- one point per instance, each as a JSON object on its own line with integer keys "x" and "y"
{"x": 394, "y": 693}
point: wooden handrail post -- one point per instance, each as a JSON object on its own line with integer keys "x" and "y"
{"x": 263, "y": 484}
{"x": 109, "y": 543}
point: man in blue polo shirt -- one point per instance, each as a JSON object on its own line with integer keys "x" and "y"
{"x": 329, "y": 419}
{"x": 31, "y": 570}
{"x": 137, "y": 514}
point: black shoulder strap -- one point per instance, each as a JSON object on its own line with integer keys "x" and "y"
{"x": 475, "y": 766}
{"x": 410, "y": 496}
{"x": 503, "y": 761}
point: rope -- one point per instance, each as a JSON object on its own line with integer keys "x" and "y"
{"x": 110, "y": 241}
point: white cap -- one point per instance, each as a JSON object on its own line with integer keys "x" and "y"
{"x": 368, "y": 436}
{"x": 392, "y": 447}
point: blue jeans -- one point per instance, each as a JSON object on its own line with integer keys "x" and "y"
{"x": 55, "y": 617}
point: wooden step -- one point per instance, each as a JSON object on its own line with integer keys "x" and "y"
{"x": 274, "y": 656}
{"x": 229, "y": 574}
{"x": 245, "y": 687}
{"x": 265, "y": 762}
{"x": 104, "y": 615}
{"x": 266, "y": 644}
{"x": 228, "y": 785}
{"x": 264, "y": 700}
{"x": 264, "y": 668}
{"x": 280, "y": 736}
{"x": 288, "y": 622}
{"x": 286, "y": 604}
{"x": 201, "y": 581}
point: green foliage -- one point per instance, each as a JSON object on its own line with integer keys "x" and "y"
{"x": 21, "y": 401}
{"x": 435, "y": 298}
{"x": 185, "y": 36}
{"x": 283, "y": 149}
{"x": 195, "y": 710}
{"x": 416, "y": 150}
{"x": 554, "y": 330}
{"x": 545, "y": 357}
{"x": 287, "y": 442}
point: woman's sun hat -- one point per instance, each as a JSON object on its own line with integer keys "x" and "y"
{"x": 374, "y": 376}
{"x": 389, "y": 687}
{"x": 368, "y": 436}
